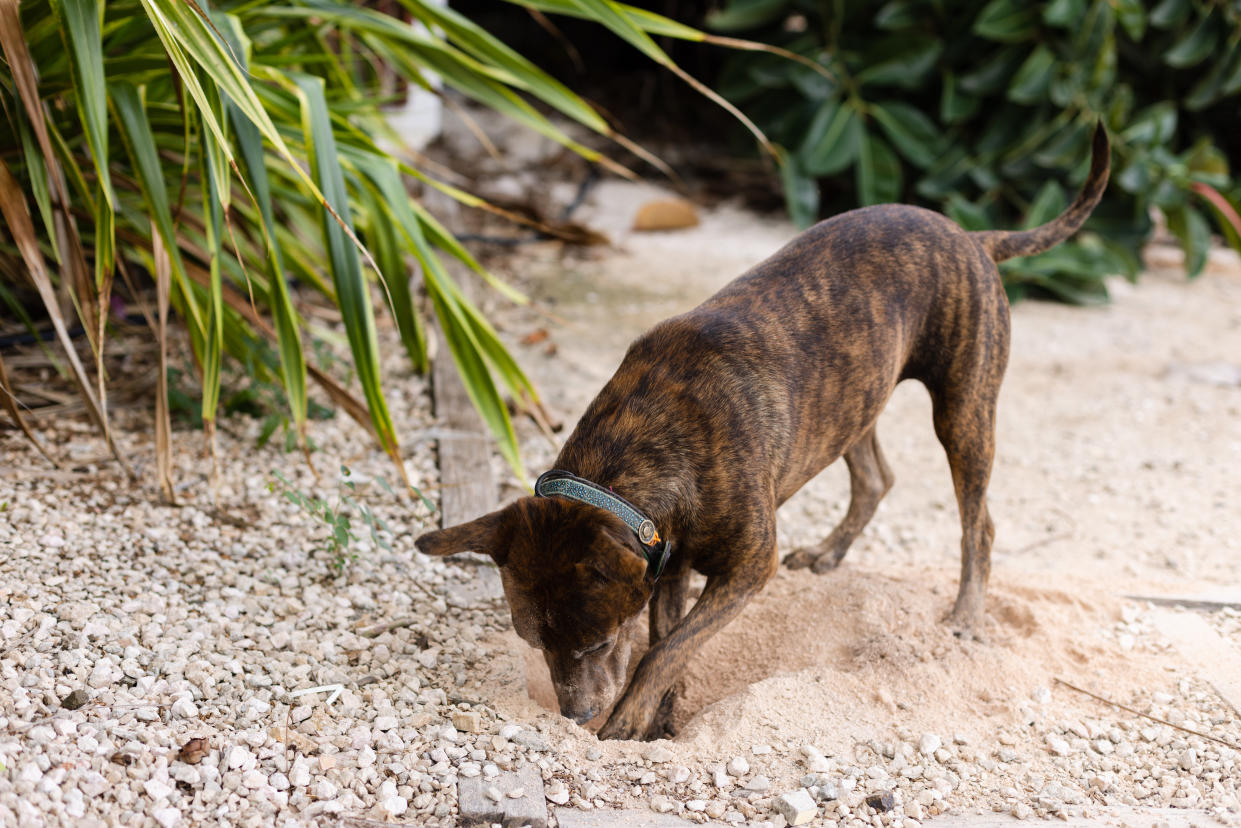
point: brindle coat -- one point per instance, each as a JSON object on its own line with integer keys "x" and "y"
{"x": 718, "y": 416}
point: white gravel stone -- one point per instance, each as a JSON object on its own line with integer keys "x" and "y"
{"x": 797, "y": 807}
{"x": 167, "y": 817}
{"x": 929, "y": 743}
{"x": 738, "y": 766}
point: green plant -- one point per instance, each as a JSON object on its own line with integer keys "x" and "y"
{"x": 339, "y": 515}
{"x": 984, "y": 109}
{"x": 219, "y": 153}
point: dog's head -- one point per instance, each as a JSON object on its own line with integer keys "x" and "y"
{"x": 575, "y": 579}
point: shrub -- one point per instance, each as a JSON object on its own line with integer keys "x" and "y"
{"x": 218, "y": 153}
{"x": 984, "y": 110}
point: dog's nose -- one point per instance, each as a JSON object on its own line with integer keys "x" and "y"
{"x": 584, "y": 716}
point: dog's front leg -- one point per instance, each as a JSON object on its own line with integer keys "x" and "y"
{"x": 667, "y": 608}
{"x": 721, "y": 601}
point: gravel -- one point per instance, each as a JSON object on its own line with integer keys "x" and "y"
{"x": 177, "y": 665}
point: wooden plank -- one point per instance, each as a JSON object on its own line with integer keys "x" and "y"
{"x": 1213, "y": 657}
{"x": 467, "y": 485}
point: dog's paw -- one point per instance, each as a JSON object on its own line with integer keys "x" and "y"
{"x": 966, "y": 626}
{"x": 617, "y": 730}
{"x": 801, "y": 558}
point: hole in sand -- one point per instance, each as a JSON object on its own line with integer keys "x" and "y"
{"x": 839, "y": 655}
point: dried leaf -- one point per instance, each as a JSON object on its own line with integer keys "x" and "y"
{"x": 9, "y": 402}
{"x": 193, "y": 751}
{"x": 17, "y": 215}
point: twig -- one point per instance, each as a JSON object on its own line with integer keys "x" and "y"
{"x": 1223, "y": 742}
{"x": 379, "y": 629}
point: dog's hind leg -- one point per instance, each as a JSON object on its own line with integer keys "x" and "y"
{"x": 964, "y": 415}
{"x": 869, "y": 480}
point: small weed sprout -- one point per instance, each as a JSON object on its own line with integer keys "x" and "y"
{"x": 339, "y": 515}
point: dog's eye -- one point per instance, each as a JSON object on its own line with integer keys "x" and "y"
{"x": 594, "y": 649}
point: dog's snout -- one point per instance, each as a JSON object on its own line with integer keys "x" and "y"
{"x": 583, "y": 716}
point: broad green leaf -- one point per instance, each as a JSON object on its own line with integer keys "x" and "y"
{"x": 899, "y": 14}
{"x": 994, "y": 73}
{"x": 1007, "y": 21}
{"x": 913, "y": 134}
{"x": 1194, "y": 234}
{"x": 955, "y": 105}
{"x": 1033, "y": 78}
{"x": 1048, "y": 204}
{"x": 901, "y": 61}
{"x": 832, "y": 140}
{"x": 878, "y": 172}
{"x": 1195, "y": 45}
{"x": 1132, "y": 16}
{"x": 1153, "y": 125}
{"x": 1064, "y": 13}
{"x": 801, "y": 192}
{"x": 966, "y": 213}
{"x": 1170, "y": 13}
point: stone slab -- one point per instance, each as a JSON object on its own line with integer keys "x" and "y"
{"x": 477, "y": 808}
{"x": 624, "y": 818}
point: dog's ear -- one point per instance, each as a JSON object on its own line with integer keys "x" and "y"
{"x": 479, "y": 535}
{"x": 618, "y": 562}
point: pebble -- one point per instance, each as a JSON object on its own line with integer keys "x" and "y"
{"x": 883, "y": 801}
{"x": 929, "y": 743}
{"x": 738, "y": 766}
{"x": 796, "y": 807}
{"x": 658, "y": 754}
{"x": 758, "y": 784}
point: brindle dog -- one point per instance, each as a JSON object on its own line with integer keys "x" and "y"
{"x": 718, "y": 416}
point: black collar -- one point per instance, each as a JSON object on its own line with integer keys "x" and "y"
{"x": 655, "y": 549}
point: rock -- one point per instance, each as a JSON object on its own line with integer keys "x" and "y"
{"x": 929, "y": 743}
{"x": 827, "y": 790}
{"x": 760, "y": 750}
{"x": 662, "y": 804}
{"x": 386, "y": 723}
{"x": 299, "y": 774}
{"x": 678, "y": 775}
{"x": 166, "y": 817}
{"x": 469, "y": 721}
{"x": 665, "y": 214}
{"x": 658, "y": 754}
{"x": 530, "y": 740}
{"x": 758, "y": 784}
{"x": 882, "y": 802}
{"x": 1058, "y": 746}
{"x": 395, "y": 805}
{"x": 183, "y": 708}
{"x": 75, "y": 699}
{"x": 366, "y": 757}
{"x": 238, "y": 758}
{"x": 557, "y": 792}
{"x": 738, "y": 766}
{"x": 476, "y": 807}
{"x": 796, "y": 807}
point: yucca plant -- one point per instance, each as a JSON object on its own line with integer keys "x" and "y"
{"x": 222, "y": 152}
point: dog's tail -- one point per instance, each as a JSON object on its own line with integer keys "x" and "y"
{"x": 1005, "y": 244}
